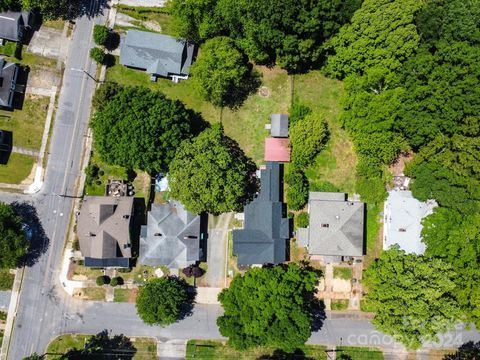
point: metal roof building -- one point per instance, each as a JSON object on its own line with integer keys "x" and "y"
{"x": 8, "y": 82}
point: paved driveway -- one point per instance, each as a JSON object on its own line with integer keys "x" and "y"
{"x": 217, "y": 249}
{"x": 5, "y": 299}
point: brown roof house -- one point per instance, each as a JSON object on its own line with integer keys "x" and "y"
{"x": 336, "y": 227}
{"x": 103, "y": 230}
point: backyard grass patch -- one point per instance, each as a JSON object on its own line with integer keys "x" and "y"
{"x": 79, "y": 272}
{"x": 359, "y": 353}
{"x": 54, "y": 24}
{"x": 93, "y": 293}
{"x": 17, "y": 169}
{"x": 205, "y": 349}
{"x": 146, "y": 348}
{"x": 122, "y": 295}
{"x": 155, "y": 15}
{"x": 374, "y": 241}
{"x": 6, "y": 279}
{"x": 342, "y": 273}
{"x": 339, "y": 304}
{"x": 27, "y": 124}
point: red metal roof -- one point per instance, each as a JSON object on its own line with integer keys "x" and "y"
{"x": 277, "y": 149}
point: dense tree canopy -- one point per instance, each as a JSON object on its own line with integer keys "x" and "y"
{"x": 13, "y": 243}
{"x": 163, "y": 301}
{"x": 224, "y": 76}
{"x": 413, "y": 296}
{"x": 297, "y": 191}
{"x": 290, "y": 32}
{"x": 53, "y": 9}
{"x": 211, "y": 173}
{"x": 271, "y": 306}
{"x": 101, "y": 35}
{"x": 140, "y": 129}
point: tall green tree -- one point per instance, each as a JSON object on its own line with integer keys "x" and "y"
{"x": 297, "y": 191}
{"x": 54, "y": 9}
{"x": 211, "y": 173}
{"x": 13, "y": 242}
{"x": 413, "y": 296}
{"x": 381, "y": 33}
{"x": 164, "y": 301}
{"x": 223, "y": 74}
{"x": 271, "y": 306}
{"x": 140, "y": 129}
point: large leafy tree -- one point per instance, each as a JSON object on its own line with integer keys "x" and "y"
{"x": 13, "y": 242}
{"x": 382, "y": 33}
{"x": 54, "y": 9}
{"x": 224, "y": 76}
{"x": 164, "y": 301}
{"x": 140, "y": 129}
{"x": 211, "y": 173}
{"x": 270, "y": 306}
{"x": 412, "y": 296}
{"x": 290, "y": 32}
{"x": 456, "y": 238}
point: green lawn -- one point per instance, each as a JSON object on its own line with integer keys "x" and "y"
{"x": 121, "y": 295}
{"x": 146, "y": 348}
{"x": 153, "y": 15}
{"x": 94, "y": 293}
{"x": 374, "y": 243}
{"x": 6, "y": 279}
{"x": 359, "y": 353}
{"x": 339, "y": 304}
{"x": 27, "y": 124}
{"x": 17, "y": 169}
{"x": 342, "y": 273}
{"x": 35, "y": 62}
{"x": 205, "y": 349}
{"x": 54, "y": 24}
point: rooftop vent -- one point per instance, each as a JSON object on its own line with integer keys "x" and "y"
{"x": 157, "y": 234}
{"x": 126, "y": 216}
{"x": 325, "y": 225}
{"x": 402, "y": 230}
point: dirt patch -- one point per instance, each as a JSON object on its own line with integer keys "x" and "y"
{"x": 398, "y": 167}
{"x": 133, "y": 296}
{"x": 341, "y": 285}
{"x": 264, "y": 91}
{"x": 152, "y": 25}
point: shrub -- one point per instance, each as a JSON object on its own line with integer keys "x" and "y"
{"x": 116, "y": 281}
{"x": 124, "y": 270}
{"x": 297, "y": 191}
{"x": 103, "y": 280}
{"x": 76, "y": 245}
{"x": 188, "y": 272}
{"x": 301, "y": 220}
{"x": 98, "y": 55}
{"x": 91, "y": 172}
{"x": 104, "y": 93}
{"x": 298, "y": 112}
{"x": 324, "y": 186}
{"x": 98, "y": 182}
{"x": 101, "y": 35}
{"x": 371, "y": 190}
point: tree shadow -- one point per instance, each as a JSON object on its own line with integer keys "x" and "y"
{"x": 113, "y": 41}
{"x": 298, "y": 354}
{"x": 104, "y": 347}
{"x": 469, "y": 350}
{"x": 186, "y": 309}
{"x": 39, "y": 241}
{"x": 237, "y": 96}
{"x": 109, "y": 60}
{"x": 6, "y": 143}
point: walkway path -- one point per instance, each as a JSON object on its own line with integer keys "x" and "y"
{"x": 217, "y": 249}
{"x": 171, "y": 349}
{"x": 24, "y": 151}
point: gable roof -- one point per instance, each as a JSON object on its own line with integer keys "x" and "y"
{"x": 103, "y": 227}
{"x": 336, "y": 226}
{"x": 8, "y": 80}
{"x": 279, "y": 125}
{"x": 156, "y": 53}
{"x": 277, "y": 149}
{"x": 12, "y": 24}
{"x": 267, "y": 230}
{"x": 171, "y": 237}
{"x": 403, "y": 216}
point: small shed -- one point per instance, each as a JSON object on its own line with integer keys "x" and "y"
{"x": 279, "y": 125}
{"x": 277, "y": 149}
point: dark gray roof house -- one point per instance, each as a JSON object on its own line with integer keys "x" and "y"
{"x": 103, "y": 230}
{"x": 171, "y": 237}
{"x": 14, "y": 25}
{"x": 336, "y": 226}
{"x": 279, "y": 125}
{"x": 157, "y": 54}
{"x": 266, "y": 232}
{"x": 8, "y": 82}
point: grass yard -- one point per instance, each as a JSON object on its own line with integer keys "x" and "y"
{"x": 27, "y": 124}
{"x": 342, "y": 273}
{"x": 146, "y": 348}
{"x": 54, "y": 24}
{"x": 141, "y": 273}
{"x": 6, "y": 279}
{"x": 374, "y": 238}
{"x": 339, "y": 304}
{"x": 80, "y": 272}
{"x": 206, "y": 349}
{"x": 17, "y": 169}
{"x": 246, "y": 125}
{"x": 359, "y": 353}
{"x": 35, "y": 62}
{"x": 124, "y": 295}
{"x": 155, "y": 16}
{"x": 94, "y": 293}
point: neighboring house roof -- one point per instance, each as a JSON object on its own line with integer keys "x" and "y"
{"x": 8, "y": 81}
{"x": 103, "y": 229}
{"x": 171, "y": 236}
{"x": 336, "y": 226}
{"x": 266, "y": 227}
{"x": 279, "y": 125}
{"x": 13, "y": 23}
{"x": 158, "y": 54}
{"x": 403, "y": 216}
{"x": 277, "y": 149}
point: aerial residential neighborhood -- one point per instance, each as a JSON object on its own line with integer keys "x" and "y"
{"x": 219, "y": 179}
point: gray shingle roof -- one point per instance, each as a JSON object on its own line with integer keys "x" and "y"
{"x": 171, "y": 236}
{"x": 279, "y": 125}
{"x": 266, "y": 230}
{"x": 8, "y": 80}
{"x": 103, "y": 227}
{"x": 12, "y": 24}
{"x": 158, "y": 54}
{"x": 336, "y": 226}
